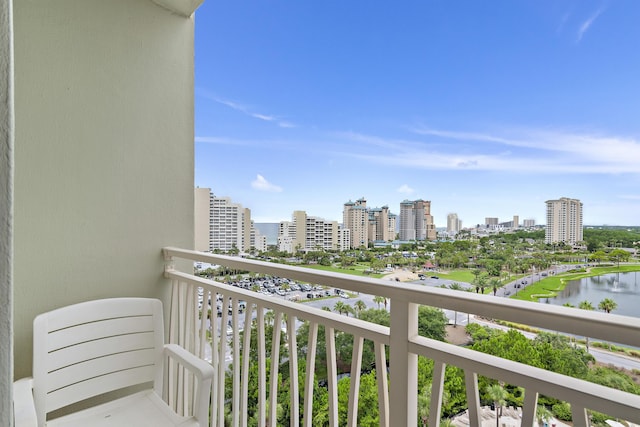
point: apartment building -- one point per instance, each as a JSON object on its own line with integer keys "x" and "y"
{"x": 489, "y": 221}
{"x": 230, "y": 225}
{"x": 307, "y": 233}
{"x": 220, "y": 224}
{"x": 202, "y": 216}
{"x": 258, "y": 240}
{"x": 344, "y": 238}
{"x": 564, "y": 221}
{"x": 355, "y": 217}
{"x": 454, "y": 224}
{"x": 416, "y": 221}
{"x": 379, "y": 225}
{"x": 393, "y": 226}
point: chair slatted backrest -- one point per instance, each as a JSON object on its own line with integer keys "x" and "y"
{"x": 95, "y": 347}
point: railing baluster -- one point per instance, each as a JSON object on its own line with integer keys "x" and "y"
{"x": 190, "y": 345}
{"x": 381, "y": 378}
{"x": 182, "y": 299}
{"x": 530, "y": 407}
{"x": 174, "y": 325}
{"x": 222, "y": 354}
{"x": 354, "y": 386}
{"x": 275, "y": 364}
{"x": 579, "y": 415}
{"x": 332, "y": 375}
{"x": 246, "y": 359}
{"x": 204, "y": 319}
{"x": 236, "y": 366}
{"x": 262, "y": 368}
{"x": 292, "y": 342}
{"x": 215, "y": 360}
{"x": 403, "y": 399}
{"x": 437, "y": 387}
{"x": 309, "y": 377}
{"x": 473, "y": 398}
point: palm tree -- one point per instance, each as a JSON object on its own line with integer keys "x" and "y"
{"x": 482, "y": 282}
{"x": 378, "y": 300}
{"x": 359, "y": 306}
{"x": 424, "y": 404}
{"x": 339, "y": 307}
{"x": 498, "y": 395}
{"x": 269, "y": 317}
{"x": 607, "y": 305}
{"x": 349, "y": 310}
{"x": 586, "y": 305}
{"x": 543, "y": 414}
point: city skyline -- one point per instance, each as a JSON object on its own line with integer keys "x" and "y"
{"x": 307, "y": 106}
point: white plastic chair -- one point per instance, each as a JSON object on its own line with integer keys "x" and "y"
{"x": 88, "y": 349}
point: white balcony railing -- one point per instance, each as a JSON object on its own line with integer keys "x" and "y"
{"x": 397, "y": 398}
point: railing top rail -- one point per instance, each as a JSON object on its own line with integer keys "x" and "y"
{"x": 610, "y": 327}
{"x": 593, "y": 396}
{"x": 367, "y": 330}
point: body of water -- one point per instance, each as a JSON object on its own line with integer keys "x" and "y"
{"x": 623, "y": 288}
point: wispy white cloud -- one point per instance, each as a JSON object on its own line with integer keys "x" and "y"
{"x": 584, "y": 27}
{"x": 261, "y": 184}
{"x": 246, "y": 110}
{"x": 405, "y": 189}
{"x": 220, "y": 140}
{"x": 520, "y": 150}
{"x": 630, "y": 196}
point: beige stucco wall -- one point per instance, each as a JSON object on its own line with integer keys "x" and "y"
{"x": 104, "y": 152}
{"x": 202, "y": 215}
{"x": 6, "y": 213}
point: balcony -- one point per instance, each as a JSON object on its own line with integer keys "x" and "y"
{"x": 397, "y": 390}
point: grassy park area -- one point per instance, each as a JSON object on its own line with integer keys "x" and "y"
{"x": 359, "y": 269}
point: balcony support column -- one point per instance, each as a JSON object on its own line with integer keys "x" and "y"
{"x": 6, "y": 212}
{"x": 403, "y": 369}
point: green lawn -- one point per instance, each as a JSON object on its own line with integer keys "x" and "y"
{"x": 356, "y": 270}
{"x": 464, "y": 275}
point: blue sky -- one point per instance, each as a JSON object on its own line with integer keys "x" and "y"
{"x": 488, "y": 109}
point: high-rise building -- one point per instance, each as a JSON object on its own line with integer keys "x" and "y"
{"x": 529, "y": 223}
{"x": 516, "y": 222}
{"x": 564, "y": 221}
{"x": 258, "y": 241}
{"x": 454, "y": 224}
{"x": 344, "y": 239}
{"x": 307, "y": 233}
{"x": 488, "y": 221}
{"x": 230, "y": 225}
{"x": 393, "y": 226}
{"x": 416, "y": 221}
{"x": 220, "y": 224}
{"x": 356, "y": 218}
{"x": 379, "y": 225}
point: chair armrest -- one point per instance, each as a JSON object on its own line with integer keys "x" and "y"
{"x": 200, "y": 368}
{"x": 203, "y": 371}
{"x": 24, "y": 408}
